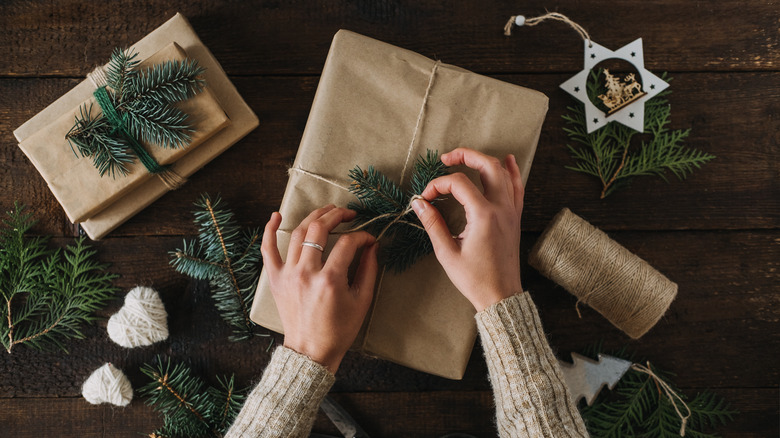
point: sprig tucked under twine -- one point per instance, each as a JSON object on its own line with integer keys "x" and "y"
{"x": 668, "y": 391}
{"x": 137, "y": 105}
{"x": 521, "y": 20}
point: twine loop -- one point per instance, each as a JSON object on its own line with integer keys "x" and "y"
{"x": 520, "y": 20}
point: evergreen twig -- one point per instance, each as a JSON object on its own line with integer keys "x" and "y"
{"x": 190, "y": 407}
{"x": 383, "y": 210}
{"x": 637, "y": 407}
{"x": 610, "y": 155}
{"x": 229, "y": 258}
{"x": 47, "y": 294}
{"x": 144, "y": 99}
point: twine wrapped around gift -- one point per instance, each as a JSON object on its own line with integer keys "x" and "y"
{"x": 602, "y": 274}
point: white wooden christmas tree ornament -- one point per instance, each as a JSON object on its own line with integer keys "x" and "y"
{"x": 141, "y": 321}
{"x": 107, "y": 384}
{"x": 632, "y": 109}
{"x": 585, "y": 377}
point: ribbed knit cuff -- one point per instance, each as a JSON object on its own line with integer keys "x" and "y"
{"x": 531, "y": 396}
{"x": 286, "y": 400}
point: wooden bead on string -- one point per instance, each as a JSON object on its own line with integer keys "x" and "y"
{"x": 601, "y": 273}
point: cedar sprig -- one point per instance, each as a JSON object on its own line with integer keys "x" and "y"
{"x": 383, "y": 210}
{"x": 228, "y": 257}
{"x": 48, "y": 294}
{"x": 639, "y": 407}
{"x": 610, "y": 155}
{"x": 190, "y": 407}
{"x": 145, "y": 100}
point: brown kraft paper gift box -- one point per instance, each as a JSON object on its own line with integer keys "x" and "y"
{"x": 377, "y": 104}
{"x": 218, "y": 114}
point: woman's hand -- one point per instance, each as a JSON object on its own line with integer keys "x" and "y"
{"x": 484, "y": 261}
{"x": 320, "y": 311}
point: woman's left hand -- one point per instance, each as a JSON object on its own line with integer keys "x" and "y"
{"x": 321, "y": 312}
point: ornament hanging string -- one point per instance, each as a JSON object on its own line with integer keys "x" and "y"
{"x": 668, "y": 391}
{"x": 521, "y": 20}
{"x": 168, "y": 176}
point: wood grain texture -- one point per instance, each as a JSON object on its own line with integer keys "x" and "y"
{"x": 715, "y": 234}
{"x": 292, "y": 37}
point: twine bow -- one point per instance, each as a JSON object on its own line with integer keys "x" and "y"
{"x": 669, "y": 392}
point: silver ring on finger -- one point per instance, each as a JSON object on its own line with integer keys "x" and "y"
{"x": 313, "y": 245}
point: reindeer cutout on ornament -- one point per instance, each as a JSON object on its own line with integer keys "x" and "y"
{"x": 620, "y": 94}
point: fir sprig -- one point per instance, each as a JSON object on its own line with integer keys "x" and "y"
{"x": 190, "y": 407}
{"x": 610, "y": 155}
{"x": 383, "y": 209}
{"x": 638, "y": 407}
{"x": 144, "y": 100}
{"x": 48, "y": 294}
{"x": 229, "y": 258}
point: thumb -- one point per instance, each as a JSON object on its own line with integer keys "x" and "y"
{"x": 434, "y": 224}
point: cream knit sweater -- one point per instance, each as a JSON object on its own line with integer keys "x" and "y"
{"x": 531, "y": 398}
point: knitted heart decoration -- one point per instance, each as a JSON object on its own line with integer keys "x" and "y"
{"x": 107, "y": 384}
{"x": 141, "y": 321}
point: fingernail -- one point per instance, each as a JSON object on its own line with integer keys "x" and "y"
{"x": 419, "y": 206}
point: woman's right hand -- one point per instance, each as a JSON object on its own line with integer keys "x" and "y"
{"x": 483, "y": 262}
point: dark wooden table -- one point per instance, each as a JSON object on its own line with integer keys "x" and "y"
{"x": 715, "y": 234}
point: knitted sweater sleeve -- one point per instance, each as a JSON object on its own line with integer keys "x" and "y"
{"x": 532, "y": 399}
{"x": 285, "y": 402}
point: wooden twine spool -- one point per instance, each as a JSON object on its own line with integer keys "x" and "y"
{"x": 601, "y": 273}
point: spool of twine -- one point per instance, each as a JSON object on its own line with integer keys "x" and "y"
{"x": 601, "y": 273}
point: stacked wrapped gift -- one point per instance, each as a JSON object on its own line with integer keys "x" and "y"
{"x": 382, "y": 106}
{"x": 217, "y": 117}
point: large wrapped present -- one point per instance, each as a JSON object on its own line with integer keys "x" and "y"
{"x": 217, "y": 115}
{"x": 381, "y": 105}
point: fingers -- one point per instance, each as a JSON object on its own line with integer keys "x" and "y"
{"x": 318, "y": 232}
{"x": 459, "y": 186}
{"x": 432, "y": 220}
{"x": 271, "y": 257}
{"x": 365, "y": 277}
{"x": 345, "y": 248}
{"x": 299, "y": 233}
{"x": 518, "y": 190}
{"x": 492, "y": 174}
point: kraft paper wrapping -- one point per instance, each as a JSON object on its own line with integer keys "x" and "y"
{"x": 75, "y": 181}
{"x": 235, "y": 117}
{"x": 366, "y": 112}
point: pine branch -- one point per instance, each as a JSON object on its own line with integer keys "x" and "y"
{"x": 189, "y": 407}
{"x": 638, "y": 407}
{"x": 610, "y": 155}
{"x": 48, "y": 294}
{"x": 144, "y": 100}
{"x": 229, "y": 258}
{"x": 383, "y": 210}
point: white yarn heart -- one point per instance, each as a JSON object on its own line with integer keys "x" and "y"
{"x": 141, "y": 321}
{"x": 107, "y": 384}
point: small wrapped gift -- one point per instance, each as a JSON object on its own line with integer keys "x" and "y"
{"x": 380, "y": 105}
{"x": 217, "y": 115}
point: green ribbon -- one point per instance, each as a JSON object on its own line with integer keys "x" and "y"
{"x": 118, "y": 123}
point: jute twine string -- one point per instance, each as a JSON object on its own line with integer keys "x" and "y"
{"x": 167, "y": 175}
{"x": 397, "y": 217}
{"x": 668, "y": 391}
{"x": 602, "y": 274}
{"x": 520, "y": 20}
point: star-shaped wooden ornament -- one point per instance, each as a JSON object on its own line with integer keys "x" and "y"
{"x": 631, "y": 114}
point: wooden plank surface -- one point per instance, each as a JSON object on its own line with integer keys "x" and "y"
{"x": 715, "y": 234}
